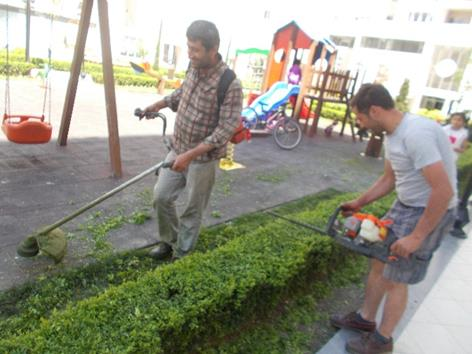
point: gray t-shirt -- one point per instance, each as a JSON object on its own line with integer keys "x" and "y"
{"x": 416, "y": 143}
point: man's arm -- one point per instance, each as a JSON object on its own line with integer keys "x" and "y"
{"x": 464, "y": 145}
{"x": 438, "y": 203}
{"x": 183, "y": 160}
{"x": 171, "y": 101}
{"x": 383, "y": 186}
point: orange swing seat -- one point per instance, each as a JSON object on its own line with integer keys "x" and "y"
{"x": 26, "y": 129}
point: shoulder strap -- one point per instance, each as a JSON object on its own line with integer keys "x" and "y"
{"x": 225, "y": 80}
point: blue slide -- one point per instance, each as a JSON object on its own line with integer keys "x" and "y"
{"x": 278, "y": 95}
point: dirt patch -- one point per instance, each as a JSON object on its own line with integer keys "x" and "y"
{"x": 341, "y": 300}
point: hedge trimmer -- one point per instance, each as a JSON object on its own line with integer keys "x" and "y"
{"x": 362, "y": 233}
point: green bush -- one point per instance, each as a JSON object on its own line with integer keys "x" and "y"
{"x": 432, "y": 114}
{"x": 177, "y": 306}
{"x": 124, "y": 75}
{"x": 16, "y": 68}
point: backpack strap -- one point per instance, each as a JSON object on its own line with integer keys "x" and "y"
{"x": 225, "y": 80}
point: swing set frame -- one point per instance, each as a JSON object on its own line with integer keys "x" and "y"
{"x": 107, "y": 66}
{"x": 25, "y": 128}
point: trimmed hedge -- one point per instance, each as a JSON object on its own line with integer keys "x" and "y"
{"x": 124, "y": 75}
{"x": 178, "y": 305}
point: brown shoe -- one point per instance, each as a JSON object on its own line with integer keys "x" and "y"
{"x": 352, "y": 321}
{"x": 367, "y": 343}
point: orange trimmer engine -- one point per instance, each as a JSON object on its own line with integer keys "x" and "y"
{"x": 362, "y": 233}
{"x": 368, "y": 226}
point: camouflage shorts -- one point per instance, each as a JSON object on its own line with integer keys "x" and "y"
{"x": 413, "y": 269}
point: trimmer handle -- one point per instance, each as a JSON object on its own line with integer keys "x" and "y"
{"x": 330, "y": 229}
{"x": 167, "y": 164}
{"x": 138, "y": 112}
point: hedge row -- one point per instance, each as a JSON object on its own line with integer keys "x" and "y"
{"x": 124, "y": 75}
{"x": 178, "y": 305}
{"x": 175, "y": 307}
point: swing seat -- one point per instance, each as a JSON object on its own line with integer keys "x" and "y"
{"x": 26, "y": 129}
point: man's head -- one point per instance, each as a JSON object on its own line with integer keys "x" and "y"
{"x": 370, "y": 105}
{"x": 203, "y": 41}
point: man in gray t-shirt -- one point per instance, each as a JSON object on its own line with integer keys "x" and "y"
{"x": 419, "y": 166}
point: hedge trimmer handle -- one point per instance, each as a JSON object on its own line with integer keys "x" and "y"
{"x": 330, "y": 228}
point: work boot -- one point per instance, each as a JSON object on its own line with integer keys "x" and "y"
{"x": 369, "y": 343}
{"x": 353, "y": 321}
{"x": 161, "y": 251}
{"x": 458, "y": 232}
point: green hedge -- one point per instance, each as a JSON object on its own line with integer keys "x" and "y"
{"x": 178, "y": 305}
{"x": 251, "y": 264}
{"x": 464, "y": 169}
{"x": 124, "y": 75}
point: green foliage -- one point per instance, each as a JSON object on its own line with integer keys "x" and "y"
{"x": 123, "y": 75}
{"x": 334, "y": 111}
{"x": 276, "y": 176}
{"x": 176, "y": 307}
{"x": 401, "y": 101}
{"x": 244, "y": 272}
{"x": 434, "y": 114}
{"x": 464, "y": 169}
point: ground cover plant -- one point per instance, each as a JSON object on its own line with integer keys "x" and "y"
{"x": 242, "y": 270}
{"x": 250, "y": 282}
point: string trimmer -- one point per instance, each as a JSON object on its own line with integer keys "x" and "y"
{"x": 362, "y": 233}
{"x": 51, "y": 239}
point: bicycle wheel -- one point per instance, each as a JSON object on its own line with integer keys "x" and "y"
{"x": 287, "y": 133}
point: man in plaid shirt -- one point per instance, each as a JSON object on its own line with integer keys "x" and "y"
{"x": 201, "y": 133}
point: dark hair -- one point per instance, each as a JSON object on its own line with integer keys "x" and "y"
{"x": 460, "y": 114}
{"x": 205, "y": 32}
{"x": 297, "y": 62}
{"x": 372, "y": 95}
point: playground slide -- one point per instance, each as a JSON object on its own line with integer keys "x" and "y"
{"x": 277, "y": 95}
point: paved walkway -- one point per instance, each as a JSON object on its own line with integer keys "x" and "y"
{"x": 40, "y": 184}
{"x": 438, "y": 318}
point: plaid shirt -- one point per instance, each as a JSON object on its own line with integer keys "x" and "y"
{"x": 197, "y": 119}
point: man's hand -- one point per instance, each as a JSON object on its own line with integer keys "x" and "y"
{"x": 155, "y": 107}
{"x": 181, "y": 162}
{"x": 350, "y": 207}
{"x": 405, "y": 246}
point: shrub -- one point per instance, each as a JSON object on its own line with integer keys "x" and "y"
{"x": 176, "y": 306}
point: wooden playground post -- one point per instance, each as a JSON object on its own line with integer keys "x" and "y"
{"x": 107, "y": 65}
{"x": 307, "y": 76}
{"x": 270, "y": 60}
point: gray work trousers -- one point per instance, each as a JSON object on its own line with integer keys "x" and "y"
{"x": 198, "y": 180}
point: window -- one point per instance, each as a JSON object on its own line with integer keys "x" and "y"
{"x": 419, "y": 16}
{"x": 448, "y": 81}
{"x": 459, "y": 16}
{"x": 392, "y": 44}
{"x": 430, "y": 103}
{"x": 343, "y": 41}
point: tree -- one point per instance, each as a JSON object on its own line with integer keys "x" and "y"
{"x": 158, "y": 49}
{"x": 401, "y": 101}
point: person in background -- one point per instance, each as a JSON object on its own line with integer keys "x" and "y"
{"x": 457, "y": 132}
{"x": 294, "y": 77}
{"x": 458, "y": 136}
{"x": 419, "y": 166}
{"x": 295, "y": 73}
{"x": 201, "y": 133}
